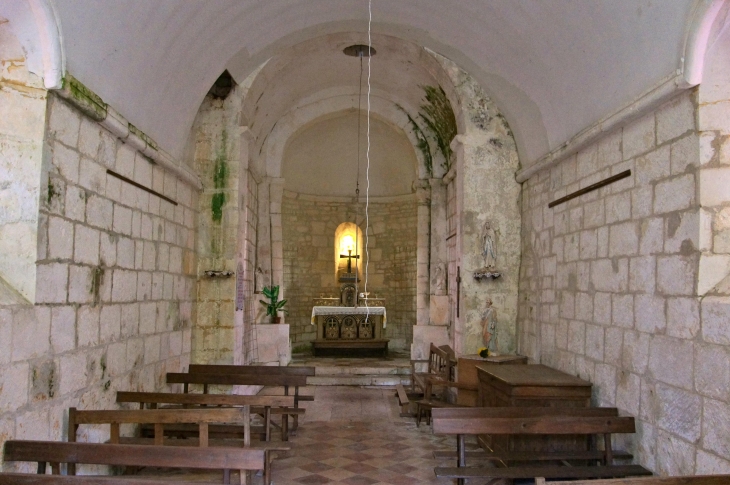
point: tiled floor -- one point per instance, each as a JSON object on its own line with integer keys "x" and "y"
{"x": 351, "y": 436}
{"x": 355, "y": 436}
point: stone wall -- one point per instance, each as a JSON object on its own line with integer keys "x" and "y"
{"x": 116, "y": 283}
{"x": 309, "y": 225}
{"x": 609, "y": 288}
{"x": 22, "y": 125}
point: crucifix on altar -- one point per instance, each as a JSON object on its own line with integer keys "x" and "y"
{"x": 349, "y": 275}
{"x": 347, "y": 244}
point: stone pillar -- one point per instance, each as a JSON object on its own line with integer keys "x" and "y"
{"x": 439, "y": 300}
{"x": 263, "y": 244}
{"x": 276, "y": 192}
{"x": 423, "y": 284}
{"x": 242, "y": 262}
{"x": 488, "y": 193}
{"x": 424, "y": 333}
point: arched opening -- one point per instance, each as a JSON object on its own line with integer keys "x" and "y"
{"x": 22, "y": 127}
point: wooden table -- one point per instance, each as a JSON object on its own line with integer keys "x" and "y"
{"x": 467, "y": 373}
{"x": 532, "y": 385}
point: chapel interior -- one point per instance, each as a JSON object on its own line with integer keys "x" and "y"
{"x": 543, "y": 179}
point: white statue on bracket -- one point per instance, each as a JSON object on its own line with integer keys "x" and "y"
{"x": 489, "y": 253}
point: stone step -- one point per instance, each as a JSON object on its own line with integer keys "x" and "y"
{"x": 385, "y": 380}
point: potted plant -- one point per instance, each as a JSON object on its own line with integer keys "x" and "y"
{"x": 274, "y": 305}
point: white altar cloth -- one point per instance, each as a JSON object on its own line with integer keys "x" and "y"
{"x": 348, "y": 310}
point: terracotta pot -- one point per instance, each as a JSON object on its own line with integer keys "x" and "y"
{"x": 275, "y": 319}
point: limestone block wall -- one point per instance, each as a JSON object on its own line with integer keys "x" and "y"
{"x": 116, "y": 284}
{"x": 609, "y": 287}
{"x": 309, "y": 225}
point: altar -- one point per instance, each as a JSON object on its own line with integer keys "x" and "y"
{"x": 343, "y": 328}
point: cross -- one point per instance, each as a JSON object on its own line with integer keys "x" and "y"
{"x": 349, "y": 257}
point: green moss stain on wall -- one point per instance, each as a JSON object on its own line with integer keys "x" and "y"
{"x": 89, "y": 102}
{"x": 220, "y": 178}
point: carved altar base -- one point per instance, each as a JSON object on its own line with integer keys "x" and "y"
{"x": 350, "y": 330}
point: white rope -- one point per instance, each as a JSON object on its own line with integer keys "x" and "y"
{"x": 367, "y": 156}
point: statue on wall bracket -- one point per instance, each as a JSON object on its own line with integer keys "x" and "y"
{"x": 489, "y": 253}
{"x": 489, "y": 328}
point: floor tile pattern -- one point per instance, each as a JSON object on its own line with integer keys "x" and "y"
{"x": 361, "y": 453}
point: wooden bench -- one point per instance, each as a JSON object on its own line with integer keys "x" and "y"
{"x": 535, "y": 421}
{"x": 160, "y": 418}
{"x": 259, "y": 405}
{"x": 262, "y": 370}
{"x": 403, "y": 401}
{"x": 244, "y": 379}
{"x": 690, "y": 480}
{"x": 35, "y": 479}
{"x": 56, "y": 453}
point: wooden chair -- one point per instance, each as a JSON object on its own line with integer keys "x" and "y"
{"x": 441, "y": 364}
{"x": 432, "y": 401}
{"x": 440, "y": 376}
{"x": 691, "y": 480}
{"x": 57, "y": 453}
{"x": 588, "y": 422}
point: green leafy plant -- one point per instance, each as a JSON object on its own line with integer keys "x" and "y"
{"x": 440, "y": 119}
{"x": 422, "y": 141}
{"x": 274, "y": 305}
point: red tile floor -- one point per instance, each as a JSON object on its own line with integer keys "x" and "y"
{"x": 355, "y": 436}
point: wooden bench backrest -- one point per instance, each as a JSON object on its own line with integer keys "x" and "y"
{"x": 441, "y": 362}
{"x": 160, "y": 417}
{"x": 236, "y": 379}
{"x": 35, "y": 479}
{"x": 223, "y": 458}
{"x": 692, "y": 480}
{"x": 520, "y": 412}
{"x": 251, "y": 369}
{"x": 204, "y": 399}
{"x": 533, "y": 425}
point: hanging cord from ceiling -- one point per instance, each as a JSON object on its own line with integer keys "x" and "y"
{"x": 367, "y": 169}
{"x": 357, "y": 186}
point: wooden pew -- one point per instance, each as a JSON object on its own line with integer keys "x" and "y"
{"x": 159, "y": 418}
{"x": 259, "y": 404}
{"x": 535, "y": 421}
{"x": 517, "y": 412}
{"x": 56, "y": 453}
{"x": 245, "y": 379}
{"x": 262, "y": 370}
{"x": 296, "y": 370}
{"x": 203, "y": 418}
{"x": 691, "y": 480}
{"x": 35, "y": 479}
